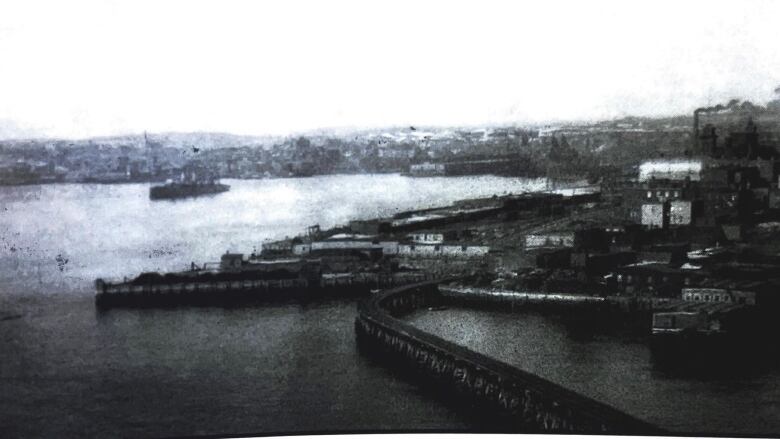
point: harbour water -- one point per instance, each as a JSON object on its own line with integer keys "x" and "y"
{"x": 619, "y": 370}
{"x": 68, "y": 370}
{"x": 60, "y": 238}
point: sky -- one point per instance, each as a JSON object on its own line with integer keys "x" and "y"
{"x": 83, "y": 68}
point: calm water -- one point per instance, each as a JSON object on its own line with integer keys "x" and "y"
{"x": 68, "y": 370}
{"x": 59, "y": 238}
{"x": 290, "y": 367}
{"x": 618, "y": 372}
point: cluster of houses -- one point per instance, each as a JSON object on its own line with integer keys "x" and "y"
{"x": 683, "y": 224}
{"x": 680, "y": 223}
{"x": 359, "y": 252}
{"x": 436, "y": 240}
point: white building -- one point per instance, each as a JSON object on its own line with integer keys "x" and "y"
{"x": 553, "y": 239}
{"x": 719, "y": 295}
{"x": 680, "y": 213}
{"x": 427, "y": 238}
{"x": 439, "y": 251}
{"x": 671, "y": 170}
{"x": 653, "y": 215}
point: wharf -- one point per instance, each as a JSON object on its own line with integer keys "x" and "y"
{"x": 512, "y": 399}
{"x": 224, "y": 292}
{"x": 497, "y": 295}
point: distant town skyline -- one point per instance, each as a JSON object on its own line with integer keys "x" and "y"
{"x": 100, "y": 68}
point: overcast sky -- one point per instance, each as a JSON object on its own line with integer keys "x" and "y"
{"x": 84, "y": 68}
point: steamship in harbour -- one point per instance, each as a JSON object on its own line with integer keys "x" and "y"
{"x": 192, "y": 183}
{"x": 195, "y": 179}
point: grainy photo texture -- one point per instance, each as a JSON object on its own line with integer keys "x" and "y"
{"x": 238, "y": 218}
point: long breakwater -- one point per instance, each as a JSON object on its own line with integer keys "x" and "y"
{"x": 515, "y": 400}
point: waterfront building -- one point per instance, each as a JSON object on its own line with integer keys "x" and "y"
{"x": 443, "y": 251}
{"x": 651, "y": 279}
{"x": 426, "y": 238}
{"x": 550, "y": 239}
{"x": 720, "y": 190}
{"x": 278, "y": 248}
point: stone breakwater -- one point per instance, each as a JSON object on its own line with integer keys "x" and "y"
{"x": 508, "y": 399}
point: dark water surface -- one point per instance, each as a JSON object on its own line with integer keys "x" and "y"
{"x": 620, "y": 372}
{"x": 66, "y": 370}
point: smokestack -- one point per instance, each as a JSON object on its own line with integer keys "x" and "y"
{"x": 696, "y": 121}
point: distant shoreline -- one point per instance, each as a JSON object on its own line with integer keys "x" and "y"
{"x": 151, "y": 181}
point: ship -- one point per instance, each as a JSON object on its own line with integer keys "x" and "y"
{"x": 193, "y": 182}
{"x": 173, "y": 190}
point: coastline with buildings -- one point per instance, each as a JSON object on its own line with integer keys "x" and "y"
{"x": 675, "y": 254}
{"x": 251, "y": 219}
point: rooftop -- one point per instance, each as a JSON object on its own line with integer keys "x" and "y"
{"x": 356, "y": 236}
{"x": 671, "y": 170}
